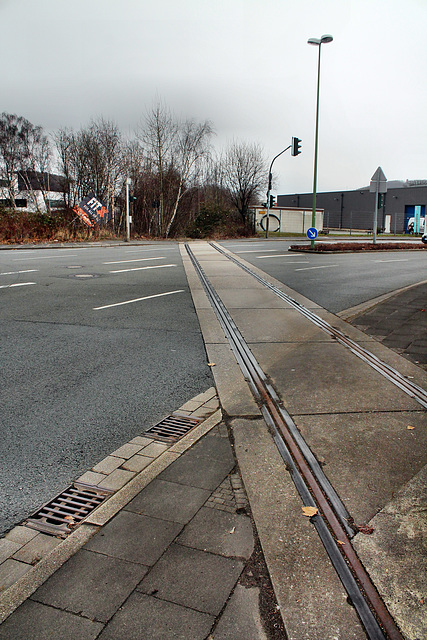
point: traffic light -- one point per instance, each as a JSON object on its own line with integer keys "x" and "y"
{"x": 272, "y": 201}
{"x": 132, "y": 198}
{"x": 296, "y": 145}
{"x": 380, "y": 200}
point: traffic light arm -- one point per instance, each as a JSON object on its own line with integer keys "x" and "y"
{"x": 269, "y": 184}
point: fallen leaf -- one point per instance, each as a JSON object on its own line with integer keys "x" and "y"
{"x": 409, "y": 427}
{"x": 69, "y": 518}
{"x": 309, "y": 511}
{"x": 211, "y": 364}
{"x": 233, "y": 530}
{"x": 340, "y": 542}
{"x": 366, "y": 530}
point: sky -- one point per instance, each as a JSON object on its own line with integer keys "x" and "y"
{"x": 245, "y": 65}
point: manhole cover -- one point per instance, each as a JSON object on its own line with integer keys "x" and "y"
{"x": 172, "y": 428}
{"x": 63, "y": 514}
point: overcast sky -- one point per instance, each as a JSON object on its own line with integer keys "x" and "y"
{"x": 243, "y": 64}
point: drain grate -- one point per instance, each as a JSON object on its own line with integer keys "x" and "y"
{"x": 172, "y": 428}
{"x": 63, "y": 514}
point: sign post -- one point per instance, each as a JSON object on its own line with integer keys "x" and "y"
{"x": 128, "y": 181}
{"x": 378, "y": 185}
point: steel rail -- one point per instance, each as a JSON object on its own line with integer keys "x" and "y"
{"x": 410, "y": 388}
{"x": 332, "y": 527}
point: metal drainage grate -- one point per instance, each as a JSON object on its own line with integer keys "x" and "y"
{"x": 63, "y": 514}
{"x": 172, "y": 428}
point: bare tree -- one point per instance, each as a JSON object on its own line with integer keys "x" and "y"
{"x": 244, "y": 174}
{"x": 92, "y": 159}
{"x": 158, "y": 135}
{"x": 175, "y": 151}
{"x": 38, "y": 159}
{"x": 192, "y": 150}
{"x": 23, "y": 147}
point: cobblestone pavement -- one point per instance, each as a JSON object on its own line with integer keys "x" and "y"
{"x": 400, "y": 323}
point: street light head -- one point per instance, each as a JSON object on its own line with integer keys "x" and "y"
{"x": 318, "y": 41}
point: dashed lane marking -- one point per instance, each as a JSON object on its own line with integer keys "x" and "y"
{"x": 18, "y": 284}
{"x": 157, "y": 295}
{"x": 325, "y": 266}
{"x": 135, "y": 260}
{"x": 157, "y": 266}
{"x": 279, "y": 255}
{"x": 68, "y": 255}
{"x": 14, "y": 273}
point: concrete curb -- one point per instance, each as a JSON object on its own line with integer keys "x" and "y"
{"x": 352, "y": 312}
{"x": 12, "y": 597}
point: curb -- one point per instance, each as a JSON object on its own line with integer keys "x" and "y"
{"x": 13, "y": 596}
{"x": 352, "y": 312}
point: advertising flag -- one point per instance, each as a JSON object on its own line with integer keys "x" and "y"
{"x": 93, "y": 211}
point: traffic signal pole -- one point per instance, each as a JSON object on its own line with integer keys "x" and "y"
{"x": 270, "y": 177}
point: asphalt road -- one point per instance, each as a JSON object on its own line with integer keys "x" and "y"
{"x": 99, "y": 343}
{"x": 85, "y": 367}
{"x": 337, "y": 281}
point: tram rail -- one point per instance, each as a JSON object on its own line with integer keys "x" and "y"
{"x": 332, "y": 521}
{"x": 410, "y": 388}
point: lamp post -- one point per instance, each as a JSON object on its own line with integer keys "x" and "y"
{"x": 318, "y": 43}
{"x": 128, "y": 181}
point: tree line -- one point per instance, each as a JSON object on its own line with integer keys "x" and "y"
{"x": 179, "y": 182}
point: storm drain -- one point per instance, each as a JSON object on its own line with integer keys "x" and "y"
{"x": 63, "y": 514}
{"x": 172, "y": 428}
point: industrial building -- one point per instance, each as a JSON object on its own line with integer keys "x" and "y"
{"x": 355, "y": 209}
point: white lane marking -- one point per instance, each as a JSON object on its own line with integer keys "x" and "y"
{"x": 14, "y": 273}
{"x": 157, "y": 295}
{"x": 395, "y": 260}
{"x": 18, "y": 284}
{"x": 157, "y": 266}
{"x": 68, "y": 255}
{"x": 279, "y": 255}
{"x": 147, "y": 248}
{"x": 135, "y": 260}
{"x": 325, "y": 266}
{"x": 252, "y": 244}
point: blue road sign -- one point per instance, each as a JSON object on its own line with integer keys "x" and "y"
{"x": 312, "y": 233}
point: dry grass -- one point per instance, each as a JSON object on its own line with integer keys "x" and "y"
{"x": 24, "y": 227}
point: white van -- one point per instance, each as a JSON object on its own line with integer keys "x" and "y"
{"x": 411, "y": 225}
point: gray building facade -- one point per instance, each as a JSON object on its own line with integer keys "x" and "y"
{"x": 355, "y": 209}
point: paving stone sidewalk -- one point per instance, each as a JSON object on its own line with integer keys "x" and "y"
{"x": 168, "y": 565}
{"x": 400, "y": 323}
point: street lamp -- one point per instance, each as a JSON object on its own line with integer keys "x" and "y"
{"x": 318, "y": 43}
{"x": 128, "y": 182}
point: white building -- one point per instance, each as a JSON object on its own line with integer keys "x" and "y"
{"x": 35, "y": 191}
{"x": 287, "y": 219}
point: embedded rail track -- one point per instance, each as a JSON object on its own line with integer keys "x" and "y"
{"x": 410, "y": 388}
{"x": 332, "y": 521}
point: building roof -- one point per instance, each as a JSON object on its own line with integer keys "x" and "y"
{"x": 39, "y": 181}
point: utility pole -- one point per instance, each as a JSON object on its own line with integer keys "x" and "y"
{"x": 128, "y": 181}
{"x": 295, "y": 151}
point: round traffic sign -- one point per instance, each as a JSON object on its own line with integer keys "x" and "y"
{"x": 312, "y": 233}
